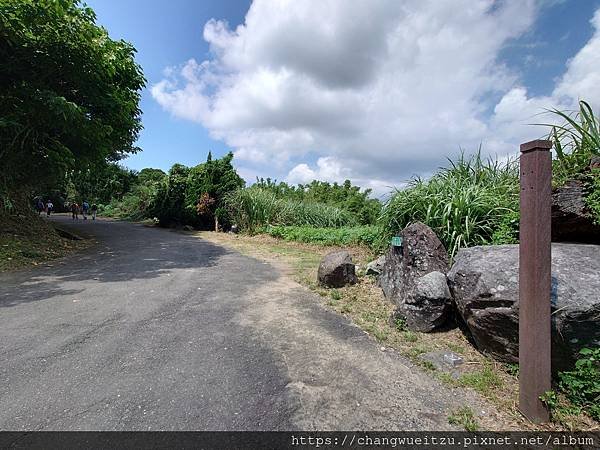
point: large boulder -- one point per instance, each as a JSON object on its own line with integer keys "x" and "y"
{"x": 571, "y": 219}
{"x": 336, "y": 270}
{"x": 408, "y": 279}
{"x": 485, "y": 285}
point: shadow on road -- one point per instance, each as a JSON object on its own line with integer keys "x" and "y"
{"x": 124, "y": 252}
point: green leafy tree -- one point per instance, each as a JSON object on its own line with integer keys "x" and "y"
{"x": 169, "y": 203}
{"x": 69, "y": 94}
{"x": 207, "y": 186}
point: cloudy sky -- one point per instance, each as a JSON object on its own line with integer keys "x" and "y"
{"x": 371, "y": 90}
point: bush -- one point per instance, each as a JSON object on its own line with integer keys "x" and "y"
{"x": 466, "y": 204}
{"x": 253, "y": 207}
{"x": 582, "y": 385}
{"x": 367, "y": 235}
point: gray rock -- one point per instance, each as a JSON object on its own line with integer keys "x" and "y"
{"x": 389, "y": 278}
{"x": 484, "y": 283}
{"x": 424, "y": 302}
{"x": 336, "y": 270}
{"x": 429, "y": 304}
{"x": 442, "y": 359}
{"x": 375, "y": 267}
{"x": 571, "y": 219}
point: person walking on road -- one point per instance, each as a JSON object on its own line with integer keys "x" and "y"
{"x": 49, "y": 207}
{"x": 75, "y": 210}
{"x": 85, "y": 206}
{"x": 39, "y": 206}
{"x": 94, "y": 210}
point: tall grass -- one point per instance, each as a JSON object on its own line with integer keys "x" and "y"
{"x": 464, "y": 203}
{"x": 253, "y": 207}
{"x": 575, "y": 141}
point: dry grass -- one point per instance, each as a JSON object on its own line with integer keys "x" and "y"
{"x": 365, "y": 305}
{"x": 29, "y": 241}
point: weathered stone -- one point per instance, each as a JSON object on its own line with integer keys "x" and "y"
{"x": 424, "y": 301}
{"x": 389, "y": 278}
{"x": 428, "y": 305}
{"x": 336, "y": 270}
{"x": 484, "y": 283}
{"x": 444, "y": 361}
{"x": 376, "y": 266}
{"x": 571, "y": 219}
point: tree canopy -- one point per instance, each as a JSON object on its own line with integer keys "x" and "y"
{"x": 69, "y": 94}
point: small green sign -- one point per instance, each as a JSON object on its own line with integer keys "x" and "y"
{"x": 397, "y": 241}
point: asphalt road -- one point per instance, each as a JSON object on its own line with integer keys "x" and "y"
{"x": 154, "y": 329}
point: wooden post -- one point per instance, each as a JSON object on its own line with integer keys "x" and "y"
{"x": 535, "y": 279}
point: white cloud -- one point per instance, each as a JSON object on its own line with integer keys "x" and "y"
{"x": 378, "y": 91}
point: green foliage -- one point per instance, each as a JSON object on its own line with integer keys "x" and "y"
{"x": 512, "y": 369}
{"x": 582, "y": 384}
{"x": 592, "y": 199}
{"x": 344, "y": 196}
{"x": 507, "y": 230}
{"x": 212, "y": 180}
{"x": 100, "y": 183}
{"x": 184, "y": 196}
{"x": 465, "y": 204}
{"x": 575, "y": 142}
{"x": 335, "y": 294}
{"x": 69, "y": 94}
{"x": 400, "y": 324}
{"x": 169, "y": 204}
{"x": 464, "y": 417}
{"x": 254, "y": 207}
{"x": 367, "y": 235}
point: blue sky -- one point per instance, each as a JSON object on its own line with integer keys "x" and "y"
{"x": 167, "y": 34}
{"x": 375, "y": 93}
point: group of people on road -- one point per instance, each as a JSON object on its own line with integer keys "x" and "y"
{"x": 74, "y": 208}
{"x": 42, "y": 206}
{"x": 84, "y": 209}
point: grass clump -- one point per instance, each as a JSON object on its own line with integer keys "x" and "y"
{"x": 482, "y": 380}
{"x": 464, "y": 417}
{"x": 464, "y": 204}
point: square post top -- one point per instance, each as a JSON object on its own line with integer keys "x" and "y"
{"x": 538, "y": 144}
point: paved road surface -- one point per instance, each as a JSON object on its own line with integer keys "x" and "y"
{"x": 154, "y": 329}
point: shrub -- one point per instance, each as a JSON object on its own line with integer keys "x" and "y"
{"x": 465, "y": 204}
{"x": 582, "y": 384}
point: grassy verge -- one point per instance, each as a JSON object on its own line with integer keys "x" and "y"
{"x": 366, "y": 235}
{"x": 365, "y": 305}
{"x": 29, "y": 241}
